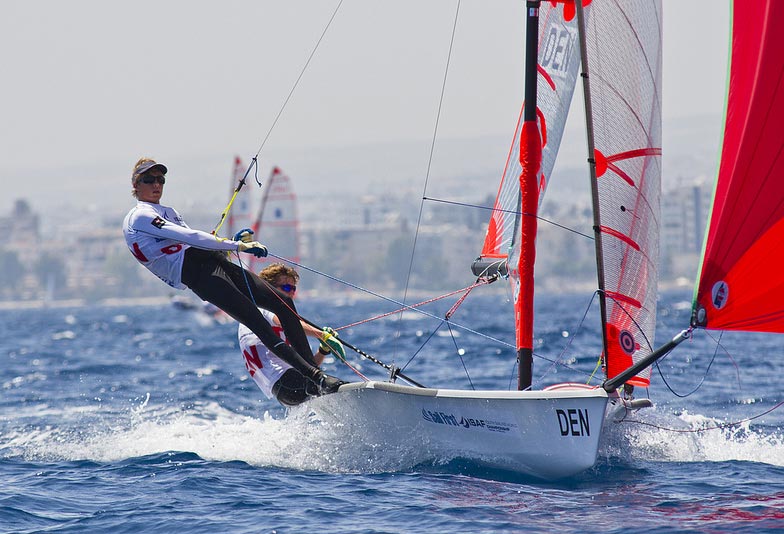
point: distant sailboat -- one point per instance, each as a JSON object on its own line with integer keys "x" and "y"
{"x": 273, "y": 219}
{"x": 241, "y": 214}
{"x": 277, "y": 221}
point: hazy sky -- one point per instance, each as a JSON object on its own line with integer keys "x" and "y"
{"x": 90, "y": 85}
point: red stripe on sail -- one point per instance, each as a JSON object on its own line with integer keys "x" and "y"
{"x": 620, "y": 297}
{"x": 546, "y": 76}
{"x": 607, "y": 162}
{"x": 569, "y": 8}
{"x": 623, "y": 237}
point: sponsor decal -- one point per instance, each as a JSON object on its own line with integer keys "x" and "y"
{"x": 626, "y": 339}
{"x": 158, "y": 222}
{"x": 573, "y": 422}
{"x": 450, "y": 419}
{"x": 719, "y": 294}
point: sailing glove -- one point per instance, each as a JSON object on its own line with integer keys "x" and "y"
{"x": 244, "y": 235}
{"x": 330, "y": 343}
{"x": 253, "y": 247}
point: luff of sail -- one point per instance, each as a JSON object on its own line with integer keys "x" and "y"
{"x": 740, "y": 286}
{"x": 623, "y": 49}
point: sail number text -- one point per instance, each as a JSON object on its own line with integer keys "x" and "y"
{"x": 573, "y": 422}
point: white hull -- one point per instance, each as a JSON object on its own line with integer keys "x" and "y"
{"x": 546, "y": 434}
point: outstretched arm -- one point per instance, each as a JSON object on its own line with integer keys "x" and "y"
{"x": 159, "y": 227}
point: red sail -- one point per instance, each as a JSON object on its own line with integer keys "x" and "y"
{"x": 740, "y": 285}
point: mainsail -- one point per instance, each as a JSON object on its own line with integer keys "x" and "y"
{"x": 557, "y": 66}
{"x": 740, "y": 286}
{"x": 511, "y": 233}
{"x": 623, "y": 50}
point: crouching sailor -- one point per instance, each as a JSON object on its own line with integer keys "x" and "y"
{"x": 277, "y": 379}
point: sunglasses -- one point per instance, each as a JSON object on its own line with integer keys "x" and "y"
{"x": 150, "y": 179}
{"x": 287, "y": 288}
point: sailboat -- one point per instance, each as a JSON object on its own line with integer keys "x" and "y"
{"x": 615, "y": 48}
{"x": 241, "y": 214}
{"x": 277, "y": 221}
{"x": 552, "y": 432}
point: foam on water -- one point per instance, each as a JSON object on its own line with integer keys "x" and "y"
{"x": 299, "y": 441}
{"x": 690, "y": 437}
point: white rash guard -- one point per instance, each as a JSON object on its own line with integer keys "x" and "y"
{"x": 264, "y": 367}
{"x": 158, "y": 237}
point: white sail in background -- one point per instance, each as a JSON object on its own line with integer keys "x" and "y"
{"x": 241, "y": 214}
{"x": 277, "y": 221}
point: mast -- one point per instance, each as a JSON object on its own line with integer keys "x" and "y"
{"x": 592, "y": 172}
{"x": 530, "y": 161}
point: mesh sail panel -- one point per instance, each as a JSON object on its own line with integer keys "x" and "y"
{"x": 625, "y": 63}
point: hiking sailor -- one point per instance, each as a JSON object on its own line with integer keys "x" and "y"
{"x": 187, "y": 258}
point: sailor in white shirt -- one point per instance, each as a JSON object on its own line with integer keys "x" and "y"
{"x": 183, "y": 257}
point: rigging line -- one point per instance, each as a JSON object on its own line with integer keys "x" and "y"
{"x": 388, "y": 299}
{"x": 418, "y": 304}
{"x": 405, "y": 307}
{"x": 702, "y": 380}
{"x": 240, "y": 185}
{"x": 714, "y": 427}
{"x": 719, "y": 345}
{"x": 513, "y": 212}
{"x": 411, "y": 359}
{"x": 396, "y": 371}
{"x": 559, "y": 360}
{"x": 432, "y": 150}
{"x": 296, "y": 83}
{"x": 457, "y": 350}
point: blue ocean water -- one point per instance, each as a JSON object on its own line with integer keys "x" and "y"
{"x": 143, "y": 419}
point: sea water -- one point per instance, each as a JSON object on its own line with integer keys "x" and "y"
{"x": 143, "y": 419}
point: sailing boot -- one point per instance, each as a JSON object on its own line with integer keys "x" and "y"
{"x": 324, "y": 383}
{"x": 328, "y": 384}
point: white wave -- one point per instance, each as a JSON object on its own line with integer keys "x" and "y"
{"x": 692, "y": 438}
{"x": 214, "y": 433}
